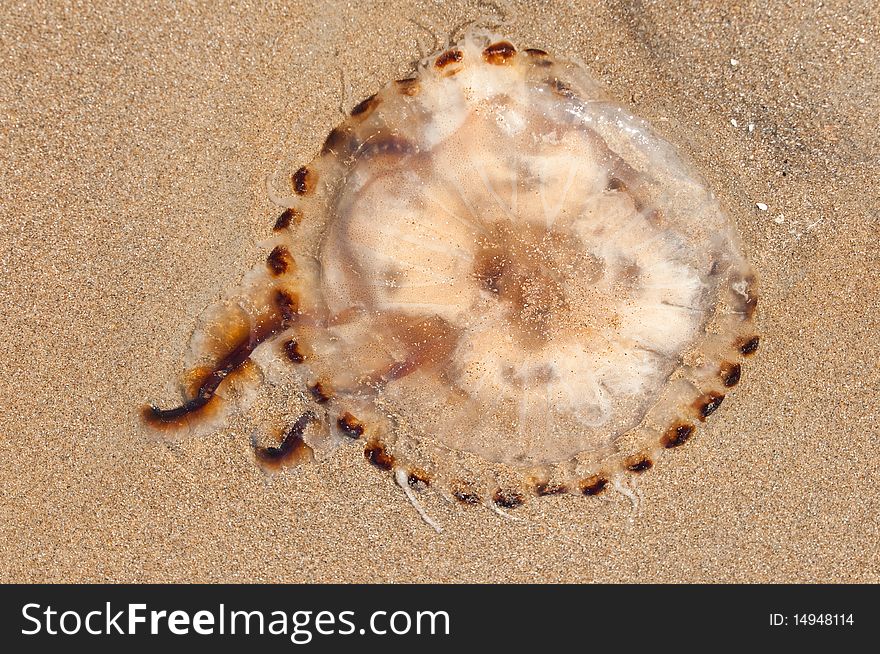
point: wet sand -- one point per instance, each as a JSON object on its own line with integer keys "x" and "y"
{"x": 134, "y": 142}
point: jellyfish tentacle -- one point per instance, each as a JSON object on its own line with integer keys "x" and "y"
{"x": 292, "y": 450}
{"x": 221, "y": 375}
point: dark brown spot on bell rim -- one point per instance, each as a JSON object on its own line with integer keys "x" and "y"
{"x": 376, "y": 454}
{"x": 593, "y": 485}
{"x": 320, "y": 392}
{"x": 292, "y": 450}
{"x": 536, "y": 52}
{"x": 707, "y": 404}
{"x": 749, "y": 346}
{"x": 303, "y": 181}
{"x": 408, "y": 86}
{"x": 639, "y": 464}
{"x": 677, "y": 434}
{"x": 350, "y": 426}
{"x": 508, "y": 499}
{"x": 416, "y": 478}
{"x": 366, "y": 107}
{"x": 730, "y": 373}
{"x": 291, "y": 349}
{"x": 499, "y": 53}
{"x": 543, "y": 489}
{"x": 285, "y": 219}
{"x": 448, "y": 57}
{"x": 465, "y": 496}
{"x": 279, "y": 260}
{"x": 288, "y": 307}
{"x": 339, "y": 141}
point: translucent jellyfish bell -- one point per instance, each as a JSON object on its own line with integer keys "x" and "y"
{"x": 491, "y": 271}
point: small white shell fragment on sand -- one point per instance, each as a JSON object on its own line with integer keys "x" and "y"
{"x": 498, "y": 279}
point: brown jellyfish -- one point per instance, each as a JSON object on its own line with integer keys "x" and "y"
{"x": 497, "y": 279}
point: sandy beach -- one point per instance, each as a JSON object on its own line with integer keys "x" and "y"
{"x": 134, "y": 141}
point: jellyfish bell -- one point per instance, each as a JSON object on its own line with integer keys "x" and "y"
{"x": 490, "y": 259}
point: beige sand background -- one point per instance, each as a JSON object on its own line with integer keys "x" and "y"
{"x": 134, "y": 138}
